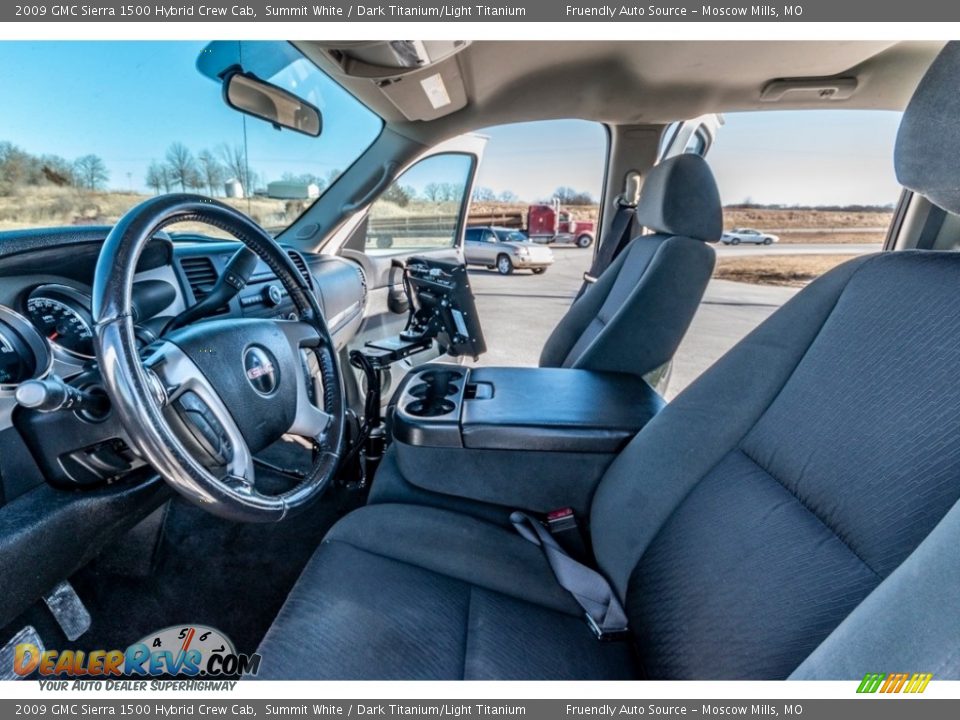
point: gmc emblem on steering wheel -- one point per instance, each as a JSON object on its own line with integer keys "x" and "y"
{"x": 258, "y": 364}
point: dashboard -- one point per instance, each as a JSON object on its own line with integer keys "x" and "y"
{"x": 69, "y": 483}
{"x": 46, "y": 323}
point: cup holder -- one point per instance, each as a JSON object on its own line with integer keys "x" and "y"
{"x": 423, "y": 389}
{"x": 433, "y": 377}
{"x": 435, "y": 392}
{"x": 431, "y": 407}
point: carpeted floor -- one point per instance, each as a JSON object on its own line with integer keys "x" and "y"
{"x": 231, "y": 576}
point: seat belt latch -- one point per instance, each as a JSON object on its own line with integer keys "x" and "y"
{"x": 562, "y": 524}
{"x": 560, "y": 520}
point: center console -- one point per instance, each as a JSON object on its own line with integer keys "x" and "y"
{"x": 533, "y": 439}
{"x": 538, "y": 409}
{"x": 529, "y": 438}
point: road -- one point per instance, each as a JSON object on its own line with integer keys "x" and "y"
{"x": 726, "y": 251}
{"x": 518, "y": 311}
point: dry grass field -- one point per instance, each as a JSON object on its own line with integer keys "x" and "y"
{"x": 31, "y": 207}
{"x": 786, "y": 270}
{"x": 53, "y": 206}
{"x": 793, "y": 226}
{"x": 786, "y": 219}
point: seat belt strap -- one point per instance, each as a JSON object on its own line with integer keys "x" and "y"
{"x": 590, "y": 589}
{"x": 612, "y": 244}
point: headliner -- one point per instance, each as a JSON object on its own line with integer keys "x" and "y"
{"x": 637, "y": 82}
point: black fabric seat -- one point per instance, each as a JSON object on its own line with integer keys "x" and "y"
{"x": 382, "y": 603}
{"x": 633, "y": 318}
{"x": 793, "y": 513}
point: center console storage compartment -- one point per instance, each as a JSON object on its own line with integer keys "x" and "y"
{"x": 526, "y": 438}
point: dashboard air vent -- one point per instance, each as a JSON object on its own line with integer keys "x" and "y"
{"x": 201, "y": 275}
{"x": 363, "y": 282}
{"x": 301, "y": 266}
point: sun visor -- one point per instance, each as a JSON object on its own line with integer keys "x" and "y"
{"x": 429, "y": 93}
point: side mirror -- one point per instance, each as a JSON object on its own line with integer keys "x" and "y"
{"x": 251, "y": 95}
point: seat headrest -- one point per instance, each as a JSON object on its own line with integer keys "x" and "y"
{"x": 680, "y": 197}
{"x": 928, "y": 143}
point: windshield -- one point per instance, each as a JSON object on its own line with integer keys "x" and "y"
{"x": 89, "y": 129}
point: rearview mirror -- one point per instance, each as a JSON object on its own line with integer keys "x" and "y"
{"x": 251, "y": 95}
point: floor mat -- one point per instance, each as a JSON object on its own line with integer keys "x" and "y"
{"x": 230, "y": 576}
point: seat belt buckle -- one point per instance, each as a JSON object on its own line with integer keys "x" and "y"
{"x": 608, "y": 634}
{"x": 589, "y": 279}
{"x": 562, "y": 525}
{"x": 560, "y": 520}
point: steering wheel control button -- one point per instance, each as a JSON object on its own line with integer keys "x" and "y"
{"x": 205, "y": 427}
{"x": 260, "y": 368}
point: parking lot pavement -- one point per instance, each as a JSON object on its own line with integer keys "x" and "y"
{"x": 518, "y": 312}
{"x": 728, "y": 311}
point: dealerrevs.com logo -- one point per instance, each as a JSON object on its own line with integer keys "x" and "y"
{"x": 192, "y": 651}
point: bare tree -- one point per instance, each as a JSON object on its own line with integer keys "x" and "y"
{"x": 91, "y": 172}
{"x": 16, "y": 168}
{"x": 508, "y": 196}
{"x": 569, "y": 196}
{"x": 451, "y": 191}
{"x": 156, "y": 177}
{"x": 56, "y": 170}
{"x": 483, "y": 194}
{"x": 183, "y": 166}
{"x": 234, "y": 159}
{"x": 399, "y": 194}
{"x": 211, "y": 171}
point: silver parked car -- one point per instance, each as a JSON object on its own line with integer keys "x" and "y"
{"x": 748, "y": 235}
{"x": 506, "y": 250}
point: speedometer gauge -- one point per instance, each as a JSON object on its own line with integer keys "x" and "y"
{"x": 62, "y": 314}
{"x": 23, "y": 353}
{"x": 16, "y": 363}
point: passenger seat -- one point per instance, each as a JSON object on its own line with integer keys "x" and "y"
{"x": 632, "y": 319}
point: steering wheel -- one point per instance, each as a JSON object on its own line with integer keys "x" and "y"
{"x": 201, "y": 401}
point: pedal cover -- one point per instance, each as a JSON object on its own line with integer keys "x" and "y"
{"x": 69, "y": 610}
{"x": 27, "y": 635}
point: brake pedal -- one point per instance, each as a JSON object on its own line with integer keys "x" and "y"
{"x": 68, "y": 609}
{"x": 27, "y": 635}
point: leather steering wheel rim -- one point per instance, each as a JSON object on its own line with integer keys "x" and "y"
{"x": 139, "y": 397}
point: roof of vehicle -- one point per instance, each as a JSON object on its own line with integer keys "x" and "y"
{"x": 629, "y": 82}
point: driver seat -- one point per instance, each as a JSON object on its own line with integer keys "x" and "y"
{"x": 793, "y": 513}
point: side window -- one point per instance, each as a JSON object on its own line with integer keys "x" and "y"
{"x": 421, "y": 209}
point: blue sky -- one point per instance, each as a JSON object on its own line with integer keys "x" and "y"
{"x": 127, "y": 101}
{"x": 801, "y": 157}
